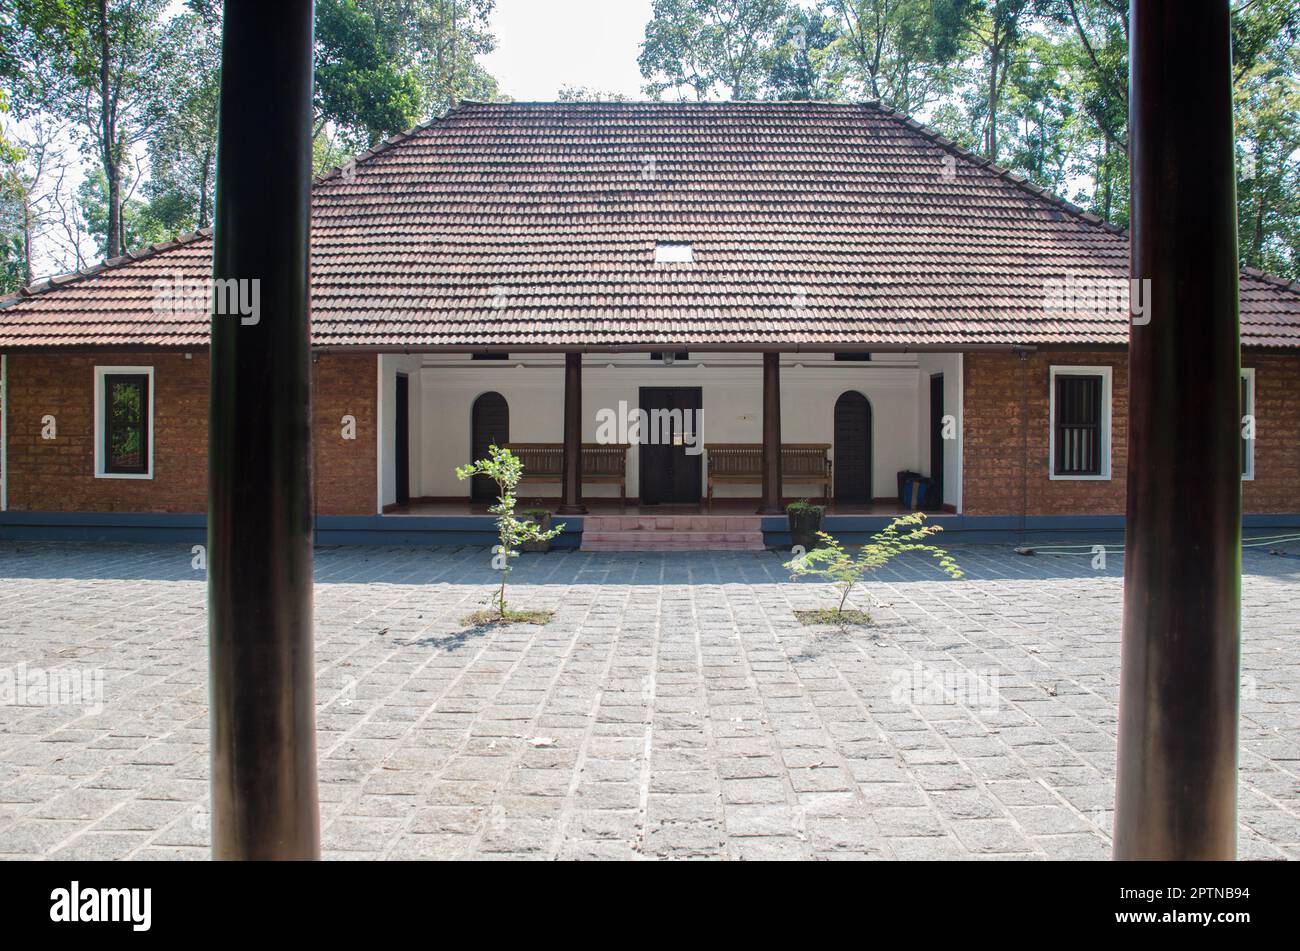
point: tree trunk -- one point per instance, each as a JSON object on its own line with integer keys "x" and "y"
{"x": 27, "y": 241}
{"x": 1105, "y": 178}
{"x": 451, "y": 78}
{"x": 991, "y": 141}
{"x": 1257, "y": 239}
{"x": 108, "y": 140}
{"x": 203, "y": 187}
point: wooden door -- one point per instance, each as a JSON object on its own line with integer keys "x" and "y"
{"x": 669, "y": 474}
{"x": 402, "y": 449}
{"x": 852, "y": 448}
{"x": 490, "y": 426}
{"x": 936, "y": 439}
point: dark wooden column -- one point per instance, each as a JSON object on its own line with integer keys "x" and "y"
{"x": 771, "y": 501}
{"x": 1177, "y": 777}
{"x": 262, "y": 677}
{"x": 571, "y": 471}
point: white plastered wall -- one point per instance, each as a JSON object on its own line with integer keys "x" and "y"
{"x": 390, "y": 366}
{"x": 896, "y": 385}
{"x": 950, "y": 365}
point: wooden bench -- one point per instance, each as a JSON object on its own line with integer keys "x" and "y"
{"x": 602, "y": 464}
{"x": 802, "y": 463}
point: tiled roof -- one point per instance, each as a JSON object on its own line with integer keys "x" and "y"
{"x": 535, "y": 224}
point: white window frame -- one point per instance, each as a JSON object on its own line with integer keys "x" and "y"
{"x": 1248, "y": 374}
{"x": 1104, "y": 430}
{"x": 101, "y": 373}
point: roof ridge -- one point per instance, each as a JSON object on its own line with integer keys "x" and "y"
{"x": 998, "y": 171}
{"x": 1267, "y": 278}
{"x": 108, "y": 264}
{"x": 871, "y": 105}
{"x": 387, "y": 143}
{"x": 624, "y": 103}
{"x": 70, "y": 277}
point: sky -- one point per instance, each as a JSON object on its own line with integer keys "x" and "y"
{"x": 542, "y": 46}
{"x": 545, "y": 45}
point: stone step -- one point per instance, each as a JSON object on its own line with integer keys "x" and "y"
{"x": 664, "y": 540}
{"x": 672, "y": 523}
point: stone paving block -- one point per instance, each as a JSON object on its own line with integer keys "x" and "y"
{"x": 909, "y": 822}
{"x": 762, "y": 790}
{"x": 100, "y": 846}
{"x": 1049, "y": 820}
{"x": 673, "y": 709}
{"x": 990, "y": 835}
{"x": 746, "y": 821}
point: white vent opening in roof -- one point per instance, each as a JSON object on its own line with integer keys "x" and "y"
{"x": 674, "y": 252}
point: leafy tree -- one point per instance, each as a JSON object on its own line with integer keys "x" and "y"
{"x": 901, "y": 51}
{"x": 359, "y": 85}
{"x": 1268, "y": 163}
{"x": 505, "y": 469}
{"x": 182, "y": 147}
{"x": 587, "y": 94}
{"x": 708, "y": 45}
{"x": 1262, "y": 30}
{"x": 139, "y": 222}
{"x": 93, "y": 62}
{"x": 441, "y": 40}
{"x": 330, "y": 150}
{"x": 15, "y": 267}
{"x": 999, "y": 30}
{"x": 383, "y": 65}
{"x": 1092, "y": 54}
{"x": 805, "y": 62}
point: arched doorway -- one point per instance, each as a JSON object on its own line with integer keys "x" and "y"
{"x": 852, "y": 448}
{"x": 490, "y": 425}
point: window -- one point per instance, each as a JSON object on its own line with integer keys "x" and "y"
{"x": 670, "y": 357}
{"x": 1248, "y": 426}
{"x": 1080, "y": 423}
{"x": 489, "y": 356}
{"x": 853, "y": 357}
{"x": 673, "y": 252}
{"x": 124, "y": 422}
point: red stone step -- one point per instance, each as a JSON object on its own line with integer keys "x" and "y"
{"x": 664, "y": 540}
{"x": 672, "y": 533}
{"x": 672, "y": 523}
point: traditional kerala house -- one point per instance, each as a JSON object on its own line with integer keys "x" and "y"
{"x": 665, "y": 293}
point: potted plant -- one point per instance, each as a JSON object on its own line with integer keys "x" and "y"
{"x": 805, "y": 522}
{"x": 542, "y": 518}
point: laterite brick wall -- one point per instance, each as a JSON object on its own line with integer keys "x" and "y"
{"x": 1276, "y": 486}
{"x": 1001, "y": 390}
{"x": 58, "y": 475}
{"x": 346, "y": 384}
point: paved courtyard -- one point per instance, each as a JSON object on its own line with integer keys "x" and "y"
{"x": 674, "y": 708}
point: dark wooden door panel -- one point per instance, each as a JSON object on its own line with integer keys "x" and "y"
{"x": 936, "y": 439}
{"x": 668, "y": 473}
{"x": 490, "y": 426}
{"x": 402, "y": 455}
{"x": 852, "y": 448}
